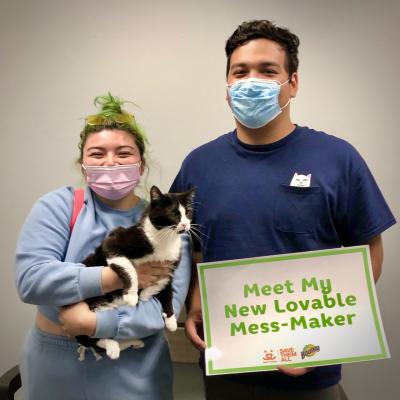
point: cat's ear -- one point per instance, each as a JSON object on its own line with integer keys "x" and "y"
{"x": 309, "y": 176}
{"x": 295, "y": 175}
{"x": 155, "y": 193}
{"x": 190, "y": 196}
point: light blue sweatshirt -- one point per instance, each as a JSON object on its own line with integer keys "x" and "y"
{"x": 49, "y": 272}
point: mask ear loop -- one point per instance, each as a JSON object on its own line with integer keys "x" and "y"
{"x": 286, "y": 104}
{"x": 288, "y": 80}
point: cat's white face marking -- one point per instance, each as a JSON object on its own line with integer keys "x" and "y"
{"x": 184, "y": 223}
{"x": 299, "y": 180}
{"x": 166, "y": 243}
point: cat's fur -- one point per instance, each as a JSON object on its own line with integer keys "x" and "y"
{"x": 156, "y": 238}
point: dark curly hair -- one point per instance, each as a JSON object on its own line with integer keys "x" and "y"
{"x": 264, "y": 29}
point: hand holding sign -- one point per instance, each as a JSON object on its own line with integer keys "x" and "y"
{"x": 290, "y": 310}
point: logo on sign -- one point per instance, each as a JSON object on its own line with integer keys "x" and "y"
{"x": 309, "y": 350}
{"x": 287, "y": 354}
{"x": 269, "y": 356}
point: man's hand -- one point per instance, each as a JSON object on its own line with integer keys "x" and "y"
{"x": 77, "y": 319}
{"x": 150, "y": 273}
{"x": 295, "y": 371}
{"x": 194, "y": 329}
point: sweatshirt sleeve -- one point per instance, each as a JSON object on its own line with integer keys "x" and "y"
{"x": 145, "y": 319}
{"x": 42, "y": 278}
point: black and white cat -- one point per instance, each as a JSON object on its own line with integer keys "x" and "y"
{"x": 156, "y": 238}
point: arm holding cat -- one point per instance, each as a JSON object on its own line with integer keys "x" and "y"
{"x": 77, "y": 319}
{"x": 42, "y": 277}
{"x": 145, "y": 319}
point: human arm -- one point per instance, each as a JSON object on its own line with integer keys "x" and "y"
{"x": 145, "y": 319}
{"x": 376, "y": 252}
{"x": 42, "y": 277}
{"x": 148, "y": 274}
{"x": 194, "y": 319}
{"x": 78, "y": 319}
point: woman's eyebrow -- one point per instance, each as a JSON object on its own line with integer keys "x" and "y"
{"x": 95, "y": 148}
{"x": 126, "y": 145}
{"x": 103, "y": 148}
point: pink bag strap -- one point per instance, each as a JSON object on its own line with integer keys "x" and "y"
{"x": 79, "y": 196}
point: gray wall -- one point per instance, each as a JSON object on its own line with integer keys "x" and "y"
{"x": 167, "y": 56}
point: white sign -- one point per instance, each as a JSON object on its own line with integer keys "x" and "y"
{"x": 301, "y": 309}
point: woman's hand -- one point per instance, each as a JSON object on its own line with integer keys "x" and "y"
{"x": 295, "y": 371}
{"x": 150, "y": 273}
{"x": 77, "y": 319}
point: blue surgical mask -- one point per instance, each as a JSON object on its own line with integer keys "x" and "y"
{"x": 255, "y": 102}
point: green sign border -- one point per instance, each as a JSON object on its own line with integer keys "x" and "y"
{"x": 203, "y": 267}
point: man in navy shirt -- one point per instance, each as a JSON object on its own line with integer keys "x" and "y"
{"x": 272, "y": 187}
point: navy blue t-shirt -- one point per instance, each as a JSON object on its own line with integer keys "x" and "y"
{"x": 246, "y": 207}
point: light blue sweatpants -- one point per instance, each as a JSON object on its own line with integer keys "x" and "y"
{"x": 50, "y": 369}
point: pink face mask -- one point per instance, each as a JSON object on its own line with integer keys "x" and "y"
{"x": 112, "y": 183}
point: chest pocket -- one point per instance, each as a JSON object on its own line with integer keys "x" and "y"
{"x": 297, "y": 209}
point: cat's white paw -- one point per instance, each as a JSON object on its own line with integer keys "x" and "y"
{"x": 131, "y": 298}
{"x": 145, "y": 295}
{"x": 111, "y": 346}
{"x": 113, "y": 350}
{"x": 170, "y": 322}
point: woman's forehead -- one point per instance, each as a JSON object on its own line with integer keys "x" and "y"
{"x": 110, "y": 137}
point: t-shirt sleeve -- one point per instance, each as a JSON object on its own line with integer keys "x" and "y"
{"x": 367, "y": 213}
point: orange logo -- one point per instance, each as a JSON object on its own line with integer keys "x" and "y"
{"x": 269, "y": 356}
{"x": 287, "y": 354}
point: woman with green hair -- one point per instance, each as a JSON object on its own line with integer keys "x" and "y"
{"x": 58, "y": 234}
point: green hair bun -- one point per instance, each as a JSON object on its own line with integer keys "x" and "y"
{"x": 110, "y": 105}
{"x": 111, "y": 111}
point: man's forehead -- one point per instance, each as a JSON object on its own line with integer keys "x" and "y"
{"x": 262, "y": 64}
{"x": 258, "y": 50}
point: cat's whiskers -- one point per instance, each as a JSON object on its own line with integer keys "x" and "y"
{"x": 192, "y": 233}
{"x": 164, "y": 233}
{"x": 196, "y": 235}
{"x": 164, "y": 230}
{"x": 198, "y": 231}
{"x": 160, "y": 228}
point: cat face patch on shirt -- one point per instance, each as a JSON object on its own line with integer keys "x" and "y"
{"x": 299, "y": 180}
